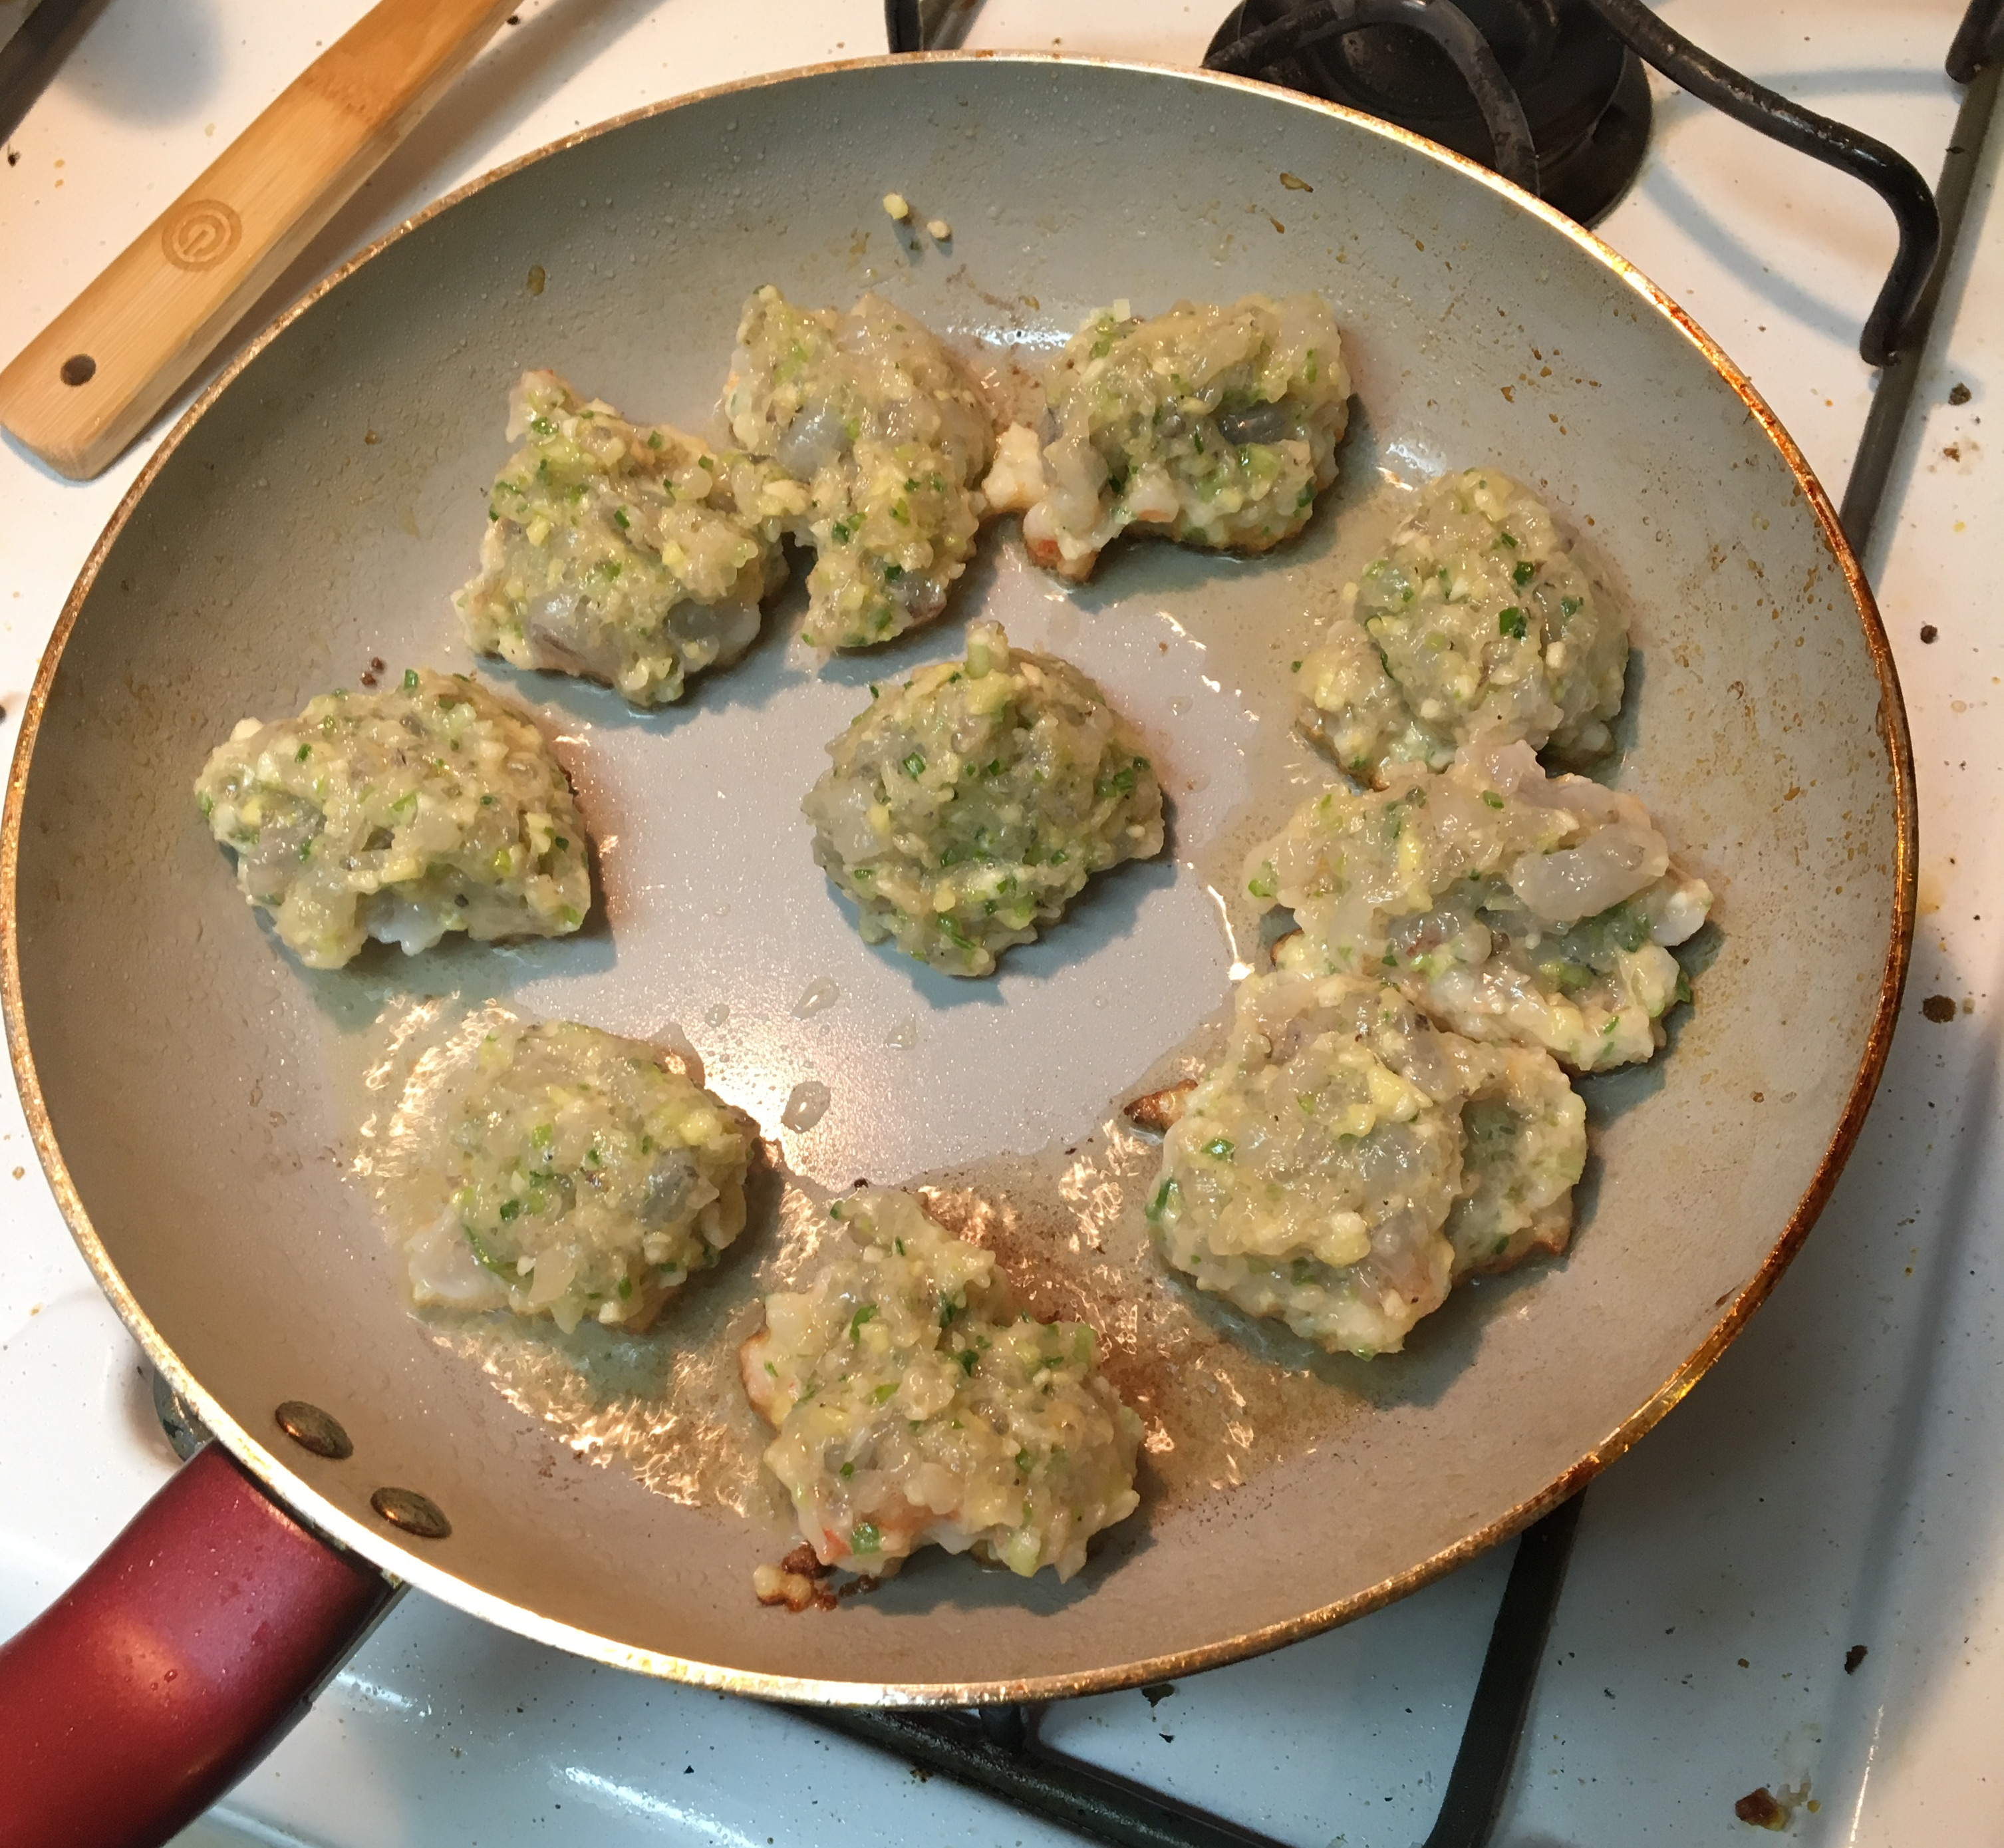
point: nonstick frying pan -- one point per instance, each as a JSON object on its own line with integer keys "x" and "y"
{"x": 195, "y": 1094}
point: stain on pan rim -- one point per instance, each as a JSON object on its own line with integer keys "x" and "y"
{"x": 404, "y": 1565}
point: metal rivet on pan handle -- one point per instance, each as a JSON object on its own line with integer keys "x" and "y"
{"x": 314, "y": 1430}
{"x": 416, "y": 1514}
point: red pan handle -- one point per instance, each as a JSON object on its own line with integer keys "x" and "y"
{"x": 178, "y": 1660}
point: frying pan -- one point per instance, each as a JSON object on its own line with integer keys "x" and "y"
{"x": 193, "y": 1093}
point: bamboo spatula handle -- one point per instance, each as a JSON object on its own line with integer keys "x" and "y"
{"x": 92, "y": 380}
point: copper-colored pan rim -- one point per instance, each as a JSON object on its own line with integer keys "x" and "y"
{"x": 405, "y": 1564}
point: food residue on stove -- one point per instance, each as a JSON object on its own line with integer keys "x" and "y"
{"x": 1759, "y": 1807}
{"x": 1764, "y": 1808}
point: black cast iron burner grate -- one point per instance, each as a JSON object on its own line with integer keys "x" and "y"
{"x": 996, "y": 1749}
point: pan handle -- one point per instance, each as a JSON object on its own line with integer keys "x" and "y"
{"x": 97, "y": 374}
{"x": 181, "y": 1657}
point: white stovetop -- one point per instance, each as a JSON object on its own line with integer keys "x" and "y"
{"x": 1832, "y": 1482}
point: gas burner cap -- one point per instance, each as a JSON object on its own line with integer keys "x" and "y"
{"x": 1585, "y": 94}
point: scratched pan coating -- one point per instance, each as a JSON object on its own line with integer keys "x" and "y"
{"x": 184, "y": 1078}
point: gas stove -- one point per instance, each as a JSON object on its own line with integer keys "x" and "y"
{"x": 1790, "y": 1588}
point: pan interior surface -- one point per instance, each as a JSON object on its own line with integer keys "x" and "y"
{"x": 320, "y": 510}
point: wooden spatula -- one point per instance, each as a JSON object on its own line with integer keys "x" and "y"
{"x": 92, "y": 380}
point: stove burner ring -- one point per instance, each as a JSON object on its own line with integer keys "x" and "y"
{"x": 1481, "y": 77}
